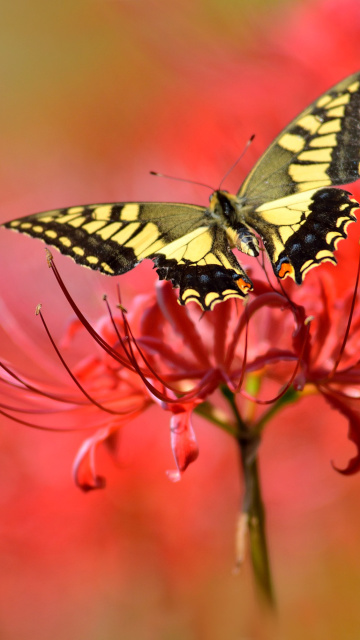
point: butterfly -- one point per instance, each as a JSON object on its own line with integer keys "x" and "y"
{"x": 287, "y": 200}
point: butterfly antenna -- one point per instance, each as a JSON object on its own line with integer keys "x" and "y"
{"x": 163, "y": 175}
{"x": 238, "y": 160}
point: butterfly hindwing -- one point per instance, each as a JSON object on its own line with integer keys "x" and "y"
{"x": 204, "y": 268}
{"x": 301, "y": 231}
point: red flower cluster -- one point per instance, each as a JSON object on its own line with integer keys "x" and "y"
{"x": 178, "y": 358}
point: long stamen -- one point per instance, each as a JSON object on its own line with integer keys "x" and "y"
{"x": 264, "y": 300}
{"x": 117, "y": 332}
{"x": 353, "y": 301}
{"x": 39, "y": 412}
{"x": 161, "y": 396}
{"x": 205, "y": 383}
{"x": 42, "y": 427}
{"x": 72, "y": 376}
{"x": 86, "y": 427}
{"x": 290, "y": 381}
{"x": 98, "y": 339}
{"x": 292, "y": 305}
{"x": 146, "y": 361}
{"x": 131, "y": 339}
{"x": 131, "y": 362}
{"x": 244, "y": 362}
{"x": 125, "y": 343}
{"x": 33, "y": 389}
{"x": 261, "y": 261}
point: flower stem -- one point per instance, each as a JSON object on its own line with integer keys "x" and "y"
{"x": 289, "y": 397}
{"x": 253, "y": 507}
{"x": 252, "y": 518}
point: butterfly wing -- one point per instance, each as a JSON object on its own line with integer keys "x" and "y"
{"x": 287, "y": 198}
{"x": 203, "y": 266}
{"x": 114, "y": 238}
{"x": 301, "y": 231}
{"x": 321, "y": 147}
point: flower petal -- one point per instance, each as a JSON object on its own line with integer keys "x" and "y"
{"x": 183, "y": 442}
{"x": 353, "y": 417}
{"x": 181, "y": 322}
{"x": 84, "y": 472}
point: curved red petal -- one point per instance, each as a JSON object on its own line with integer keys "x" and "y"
{"x": 353, "y": 416}
{"x": 84, "y": 472}
{"x": 183, "y": 439}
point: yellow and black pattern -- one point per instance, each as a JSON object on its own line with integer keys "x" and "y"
{"x": 209, "y": 274}
{"x": 288, "y": 199}
{"x": 321, "y": 147}
{"x": 114, "y": 238}
{"x": 301, "y": 231}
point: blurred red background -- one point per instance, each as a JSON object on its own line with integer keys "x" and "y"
{"x": 94, "y": 95}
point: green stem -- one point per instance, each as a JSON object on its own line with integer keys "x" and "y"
{"x": 211, "y": 413}
{"x": 290, "y": 396}
{"x": 252, "y": 509}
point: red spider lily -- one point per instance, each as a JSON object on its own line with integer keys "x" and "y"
{"x": 177, "y": 358}
{"x": 112, "y": 397}
{"x": 159, "y": 353}
{"x": 331, "y": 363}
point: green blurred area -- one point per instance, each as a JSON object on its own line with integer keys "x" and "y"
{"x": 88, "y": 76}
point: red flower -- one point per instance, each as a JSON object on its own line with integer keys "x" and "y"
{"x": 330, "y": 363}
{"x": 176, "y": 357}
{"x": 157, "y": 352}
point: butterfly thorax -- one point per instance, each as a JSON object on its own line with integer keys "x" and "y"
{"x": 225, "y": 210}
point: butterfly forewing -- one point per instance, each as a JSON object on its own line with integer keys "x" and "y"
{"x": 321, "y": 147}
{"x": 288, "y": 199}
{"x": 114, "y": 238}
{"x": 111, "y": 238}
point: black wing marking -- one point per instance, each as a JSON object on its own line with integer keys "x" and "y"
{"x": 302, "y": 231}
{"x": 204, "y": 268}
{"x": 114, "y": 238}
{"x": 321, "y": 147}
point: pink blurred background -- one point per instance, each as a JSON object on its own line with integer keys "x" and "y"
{"x": 95, "y": 94}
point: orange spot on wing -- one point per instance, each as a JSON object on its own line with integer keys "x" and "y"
{"x": 244, "y": 286}
{"x": 285, "y": 270}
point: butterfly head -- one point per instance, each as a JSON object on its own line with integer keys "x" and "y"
{"x": 224, "y": 204}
